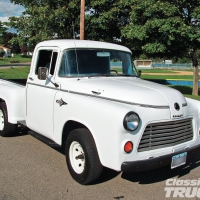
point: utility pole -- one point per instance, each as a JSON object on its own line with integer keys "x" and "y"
{"x": 82, "y": 20}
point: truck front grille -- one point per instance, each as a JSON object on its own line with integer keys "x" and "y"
{"x": 166, "y": 134}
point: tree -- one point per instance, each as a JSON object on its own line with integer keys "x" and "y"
{"x": 49, "y": 19}
{"x": 7, "y": 36}
{"x": 104, "y": 19}
{"x": 2, "y": 31}
{"x": 44, "y": 20}
{"x": 165, "y": 29}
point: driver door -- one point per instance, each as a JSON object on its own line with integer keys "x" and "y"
{"x": 41, "y": 93}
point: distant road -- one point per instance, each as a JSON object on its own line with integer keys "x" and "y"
{"x": 29, "y": 64}
{"x": 15, "y": 65}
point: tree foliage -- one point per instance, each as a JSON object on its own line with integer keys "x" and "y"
{"x": 49, "y": 19}
{"x": 2, "y": 32}
{"x": 44, "y": 20}
{"x": 165, "y": 28}
{"x": 104, "y": 19}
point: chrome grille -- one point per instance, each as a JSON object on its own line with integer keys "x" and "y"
{"x": 166, "y": 134}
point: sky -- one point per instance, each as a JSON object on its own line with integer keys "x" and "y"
{"x": 8, "y": 9}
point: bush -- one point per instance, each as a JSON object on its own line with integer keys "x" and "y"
{"x": 184, "y": 60}
{"x": 14, "y": 61}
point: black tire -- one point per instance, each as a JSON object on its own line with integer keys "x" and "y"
{"x": 6, "y": 129}
{"x": 90, "y": 165}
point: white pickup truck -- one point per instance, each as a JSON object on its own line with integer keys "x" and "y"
{"x": 87, "y": 97}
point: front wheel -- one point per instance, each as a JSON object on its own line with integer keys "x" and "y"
{"x": 82, "y": 157}
{"x": 6, "y": 129}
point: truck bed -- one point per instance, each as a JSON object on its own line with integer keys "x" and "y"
{"x": 13, "y": 92}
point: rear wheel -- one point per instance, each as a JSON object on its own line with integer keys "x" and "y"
{"x": 6, "y": 129}
{"x": 82, "y": 157}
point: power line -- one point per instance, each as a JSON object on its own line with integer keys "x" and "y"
{"x": 9, "y": 12}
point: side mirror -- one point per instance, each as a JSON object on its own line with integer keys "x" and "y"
{"x": 139, "y": 73}
{"x": 42, "y": 73}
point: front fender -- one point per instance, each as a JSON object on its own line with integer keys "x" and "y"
{"x": 104, "y": 119}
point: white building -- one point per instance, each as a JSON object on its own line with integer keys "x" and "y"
{"x": 143, "y": 64}
{"x": 5, "y": 50}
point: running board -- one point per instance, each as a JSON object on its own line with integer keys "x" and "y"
{"x": 44, "y": 139}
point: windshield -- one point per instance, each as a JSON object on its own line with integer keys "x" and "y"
{"x": 96, "y": 62}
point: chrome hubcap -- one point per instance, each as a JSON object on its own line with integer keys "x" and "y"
{"x": 77, "y": 157}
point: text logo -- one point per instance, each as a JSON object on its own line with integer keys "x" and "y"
{"x": 182, "y": 188}
{"x": 61, "y": 102}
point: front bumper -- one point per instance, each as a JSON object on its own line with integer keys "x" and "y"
{"x": 152, "y": 163}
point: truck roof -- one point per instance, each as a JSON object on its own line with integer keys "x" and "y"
{"x": 70, "y": 43}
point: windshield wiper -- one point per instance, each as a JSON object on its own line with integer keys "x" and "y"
{"x": 112, "y": 75}
{"x": 106, "y": 75}
{"x": 129, "y": 75}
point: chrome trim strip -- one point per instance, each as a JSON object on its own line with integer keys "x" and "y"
{"x": 43, "y": 86}
{"x": 120, "y": 101}
{"x": 105, "y": 98}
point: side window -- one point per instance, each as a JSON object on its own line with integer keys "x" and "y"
{"x": 46, "y": 58}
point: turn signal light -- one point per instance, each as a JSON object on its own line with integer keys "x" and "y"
{"x": 128, "y": 147}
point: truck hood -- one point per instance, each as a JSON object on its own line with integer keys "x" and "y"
{"x": 131, "y": 90}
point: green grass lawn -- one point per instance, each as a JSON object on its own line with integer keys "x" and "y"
{"x": 17, "y": 58}
{"x": 186, "y": 91}
{"x": 157, "y": 71}
{"x": 181, "y": 77}
{"x": 163, "y": 70}
{"x": 14, "y": 73}
{"x": 167, "y": 74}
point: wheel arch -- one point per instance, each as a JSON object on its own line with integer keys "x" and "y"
{"x": 7, "y": 129}
{"x": 68, "y": 127}
{"x": 2, "y": 100}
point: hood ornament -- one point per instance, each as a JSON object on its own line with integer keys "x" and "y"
{"x": 176, "y": 106}
{"x": 61, "y": 102}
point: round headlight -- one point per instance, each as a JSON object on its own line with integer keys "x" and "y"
{"x": 131, "y": 121}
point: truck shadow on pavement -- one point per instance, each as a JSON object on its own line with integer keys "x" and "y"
{"x": 153, "y": 176}
{"x": 107, "y": 174}
{"x": 147, "y": 177}
{"x": 162, "y": 173}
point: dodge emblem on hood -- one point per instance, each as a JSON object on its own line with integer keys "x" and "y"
{"x": 176, "y": 106}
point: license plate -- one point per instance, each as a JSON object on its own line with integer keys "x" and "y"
{"x": 178, "y": 160}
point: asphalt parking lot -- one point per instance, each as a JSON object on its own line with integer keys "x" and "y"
{"x": 29, "y": 169}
